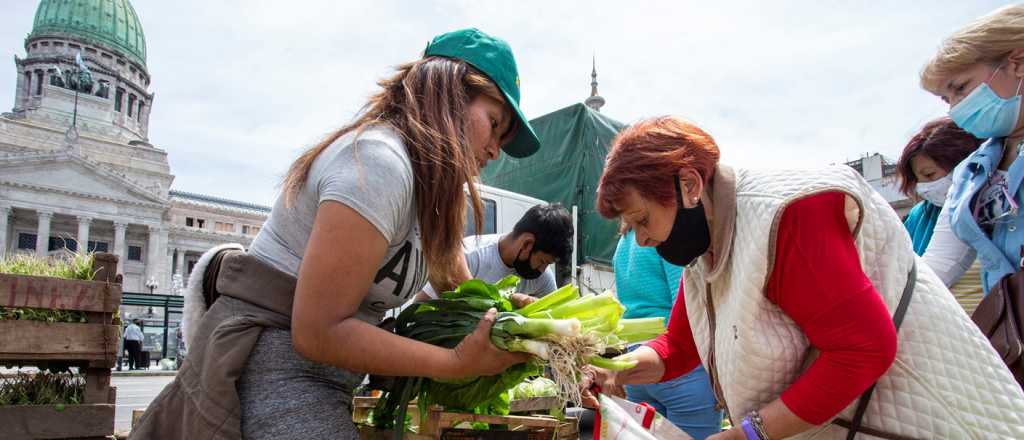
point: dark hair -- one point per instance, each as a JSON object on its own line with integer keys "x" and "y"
{"x": 942, "y": 141}
{"x": 551, "y": 226}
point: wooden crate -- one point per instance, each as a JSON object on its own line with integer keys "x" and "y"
{"x": 91, "y": 345}
{"x": 534, "y": 404}
{"x": 441, "y": 424}
{"x": 50, "y": 422}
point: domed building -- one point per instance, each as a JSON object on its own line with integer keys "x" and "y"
{"x": 77, "y": 167}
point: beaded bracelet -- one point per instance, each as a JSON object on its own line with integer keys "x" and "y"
{"x": 748, "y": 429}
{"x": 758, "y": 423}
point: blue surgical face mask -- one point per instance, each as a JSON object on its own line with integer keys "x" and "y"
{"x": 985, "y": 114}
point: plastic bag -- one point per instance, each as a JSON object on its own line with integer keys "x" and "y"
{"x": 620, "y": 419}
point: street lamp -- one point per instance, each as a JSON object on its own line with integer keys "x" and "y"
{"x": 152, "y": 284}
{"x": 80, "y": 77}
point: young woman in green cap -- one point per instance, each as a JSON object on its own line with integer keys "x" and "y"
{"x": 365, "y": 218}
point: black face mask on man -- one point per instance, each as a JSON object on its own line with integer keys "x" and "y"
{"x": 524, "y": 269}
{"x": 690, "y": 237}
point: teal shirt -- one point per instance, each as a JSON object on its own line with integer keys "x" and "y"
{"x": 645, "y": 283}
{"x": 920, "y": 224}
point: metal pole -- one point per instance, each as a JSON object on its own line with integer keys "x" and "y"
{"x": 575, "y": 243}
{"x": 74, "y": 116}
{"x": 163, "y": 351}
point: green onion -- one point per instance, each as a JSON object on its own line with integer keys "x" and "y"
{"x": 561, "y": 296}
{"x": 617, "y": 364}
{"x": 535, "y": 328}
{"x": 642, "y": 329}
{"x": 584, "y": 307}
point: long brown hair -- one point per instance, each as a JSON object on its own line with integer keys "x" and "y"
{"x": 425, "y": 101}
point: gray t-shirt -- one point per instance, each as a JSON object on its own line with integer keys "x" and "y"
{"x": 374, "y": 177}
{"x": 485, "y": 263}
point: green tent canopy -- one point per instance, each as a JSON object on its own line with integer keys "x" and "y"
{"x": 573, "y": 144}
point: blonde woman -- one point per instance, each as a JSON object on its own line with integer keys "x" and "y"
{"x": 365, "y": 219}
{"x": 979, "y": 72}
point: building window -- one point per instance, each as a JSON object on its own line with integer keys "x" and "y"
{"x": 26, "y": 241}
{"x": 189, "y": 221}
{"x": 490, "y": 225}
{"x": 139, "y": 114}
{"x": 131, "y": 104}
{"x": 58, "y": 44}
{"x": 118, "y": 97}
{"x": 224, "y": 227}
{"x": 250, "y": 229}
{"x": 200, "y": 223}
{"x": 74, "y": 46}
{"x": 134, "y": 253}
{"x": 58, "y": 243}
{"x": 98, "y": 246}
{"x": 39, "y": 82}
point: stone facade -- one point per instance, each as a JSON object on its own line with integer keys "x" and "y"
{"x": 77, "y": 167}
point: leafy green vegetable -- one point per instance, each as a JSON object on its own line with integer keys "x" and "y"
{"x": 531, "y": 388}
{"x": 563, "y": 329}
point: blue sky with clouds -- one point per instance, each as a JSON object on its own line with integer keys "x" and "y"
{"x": 243, "y": 85}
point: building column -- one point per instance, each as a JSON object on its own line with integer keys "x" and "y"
{"x": 119, "y": 249}
{"x": 155, "y": 257}
{"x": 83, "y": 234}
{"x": 180, "y": 265}
{"x": 43, "y": 233}
{"x": 5, "y": 213}
{"x": 20, "y": 93}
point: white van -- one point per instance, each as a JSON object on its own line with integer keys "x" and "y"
{"x": 502, "y": 209}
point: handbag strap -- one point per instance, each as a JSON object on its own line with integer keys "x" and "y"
{"x": 897, "y": 319}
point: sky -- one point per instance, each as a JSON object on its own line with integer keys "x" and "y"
{"x": 243, "y": 86}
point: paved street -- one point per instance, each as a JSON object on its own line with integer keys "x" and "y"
{"x": 135, "y": 393}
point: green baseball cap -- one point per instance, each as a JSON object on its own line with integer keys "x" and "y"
{"x": 493, "y": 57}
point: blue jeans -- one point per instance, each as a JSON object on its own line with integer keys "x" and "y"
{"x": 687, "y": 401}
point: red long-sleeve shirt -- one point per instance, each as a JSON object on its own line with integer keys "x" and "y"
{"x": 817, "y": 280}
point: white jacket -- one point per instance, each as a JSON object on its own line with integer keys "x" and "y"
{"x": 946, "y": 381}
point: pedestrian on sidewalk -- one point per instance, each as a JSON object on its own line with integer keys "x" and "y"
{"x": 133, "y": 343}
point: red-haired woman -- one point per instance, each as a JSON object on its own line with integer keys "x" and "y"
{"x": 801, "y": 294}
{"x": 926, "y": 169}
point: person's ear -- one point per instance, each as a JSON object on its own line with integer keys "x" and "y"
{"x": 692, "y": 185}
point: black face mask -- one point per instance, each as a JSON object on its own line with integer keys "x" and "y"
{"x": 690, "y": 237}
{"x": 524, "y": 269}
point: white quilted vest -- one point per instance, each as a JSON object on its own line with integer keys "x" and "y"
{"x": 946, "y": 382}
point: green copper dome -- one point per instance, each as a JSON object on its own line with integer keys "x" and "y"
{"x": 111, "y": 23}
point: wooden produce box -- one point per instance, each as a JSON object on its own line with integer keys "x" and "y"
{"x": 91, "y": 345}
{"x": 534, "y": 404}
{"x": 441, "y": 424}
